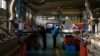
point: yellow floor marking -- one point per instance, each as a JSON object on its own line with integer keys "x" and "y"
{"x": 57, "y": 52}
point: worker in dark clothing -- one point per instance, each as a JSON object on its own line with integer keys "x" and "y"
{"x": 43, "y": 35}
{"x": 55, "y": 33}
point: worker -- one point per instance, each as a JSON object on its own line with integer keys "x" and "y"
{"x": 43, "y": 35}
{"x": 54, "y": 34}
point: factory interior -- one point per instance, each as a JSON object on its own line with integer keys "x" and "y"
{"x": 49, "y": 27}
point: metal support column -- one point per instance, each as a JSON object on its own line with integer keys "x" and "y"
{"x": 59, "y": 15}
{"x": 19, "y": 18}
{"x": 20, "y": 28}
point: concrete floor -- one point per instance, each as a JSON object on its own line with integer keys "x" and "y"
{"x": 59, "y": 51}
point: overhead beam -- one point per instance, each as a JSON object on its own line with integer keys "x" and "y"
{"x": 55, "y": 13}
{"x": 29, "y": 5}
{"x": 64, "y": 5}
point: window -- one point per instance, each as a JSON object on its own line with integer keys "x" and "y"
{"x": 39, "y": 18}
{"x": 51, "y": 17}
{"x": 30, "y": 15}
{"x": 26, "y": 14}
{"x": 66, "y": 17}
{"x": 4, "y": 4}
{"x": 71, "y": 17}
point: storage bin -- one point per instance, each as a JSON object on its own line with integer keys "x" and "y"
{"x": 70, "y": 48}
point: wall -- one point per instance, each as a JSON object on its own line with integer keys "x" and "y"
{"x": 0, "y": 3}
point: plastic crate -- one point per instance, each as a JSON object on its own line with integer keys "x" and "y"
{"x": 70, "y": 48}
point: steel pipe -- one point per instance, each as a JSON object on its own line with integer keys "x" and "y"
{"x": 11, "y": 14}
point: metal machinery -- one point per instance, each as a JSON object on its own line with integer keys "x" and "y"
{"x": 50, "y": 26}
{"x": 73, "y": 42}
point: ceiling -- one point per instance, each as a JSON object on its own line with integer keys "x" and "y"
{"x": 50, "y": 6}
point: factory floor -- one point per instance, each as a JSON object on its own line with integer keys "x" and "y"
{"x": 50, "y": 51}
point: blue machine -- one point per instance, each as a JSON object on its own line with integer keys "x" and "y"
{"x": 49, "y": 27}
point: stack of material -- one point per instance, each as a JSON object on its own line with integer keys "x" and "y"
{"x": 3, "y": 16}
{"x": 3, "y": 12}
